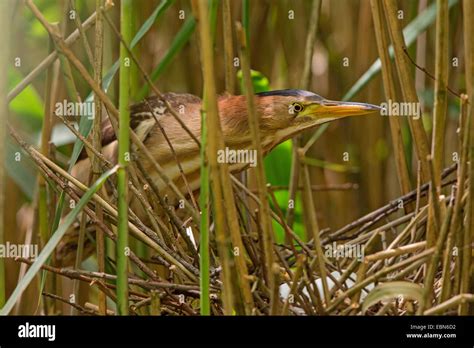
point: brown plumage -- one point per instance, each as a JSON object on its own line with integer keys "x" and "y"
{"x": 282, "y": 114}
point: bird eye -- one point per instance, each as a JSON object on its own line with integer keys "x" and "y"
{"x": 297, "y": 107}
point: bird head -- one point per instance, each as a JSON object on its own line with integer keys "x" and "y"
{"x": 284, "y": 114}
{"x": 296, "y": 110}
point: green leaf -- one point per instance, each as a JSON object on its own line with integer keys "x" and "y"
{"x": 53, "y": 242}
{"x": 150, "y": 21}
{"x": 278, "y": 164}
{"x": 259, "y": 81}
{"x": 85, "y": 126}
{"x": 28, "y": 104}
{"x": 387, "y": 291}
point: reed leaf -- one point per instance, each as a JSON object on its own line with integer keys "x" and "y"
{"x": 411, "y": 32}
{"x": 390, "y": 290}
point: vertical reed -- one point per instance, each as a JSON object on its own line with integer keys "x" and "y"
{"x": 440, "y": 104}
{"x": 228, "y": 47}
{"x": 204, "y": 227}
{"x": 407, "y": 84}
{"x": 43, "y": 223}
{"x": 390, "y": 94}
{"x": 123, "y": 158}
{"x": 5, "y": 21}
{"x": 97, "y": 143}
{"x": 213, "y": 128}
{"x": 267, "y": 230}
{"x": 305, "y": 83}
{"x": 468, "y": 237}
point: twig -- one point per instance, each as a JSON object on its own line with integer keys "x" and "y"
{"x": 405, "y": 249}
{"x": 74, "y": 305}
{"x": 77, "y": 20}
{"x": 387, "y": 270}
{"x": 453, "y": 92}
{"x": 452, "y": 302}
{"x": 329, "y": 187}
{"x": 373, "y": 217}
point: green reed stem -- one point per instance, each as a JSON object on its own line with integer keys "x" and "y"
{"x": 204, "y": 228}
{"x": 123, "y": 158}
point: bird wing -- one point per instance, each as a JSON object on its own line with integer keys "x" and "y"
{"x": 141, "y": 117}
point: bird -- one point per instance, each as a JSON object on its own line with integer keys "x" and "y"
{"x": 282, "y": 115}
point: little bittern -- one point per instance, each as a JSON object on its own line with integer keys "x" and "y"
{"x": 282, "y": 115}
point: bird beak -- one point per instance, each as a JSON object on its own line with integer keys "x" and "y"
{"x": 330, "y": 110}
